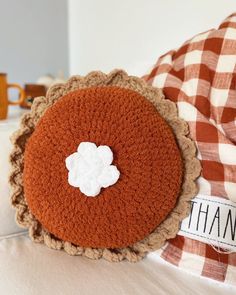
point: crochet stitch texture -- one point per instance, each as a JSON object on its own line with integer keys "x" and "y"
{"x": 144, "y": 149}
{"x": 151, "y": 236}
{"x": 90, "y": 168}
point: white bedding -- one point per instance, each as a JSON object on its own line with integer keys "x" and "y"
{"x": 27, "y": 268}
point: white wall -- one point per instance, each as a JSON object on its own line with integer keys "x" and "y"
{"x": 33, "y": 38}
{"x": 131, "y": 34}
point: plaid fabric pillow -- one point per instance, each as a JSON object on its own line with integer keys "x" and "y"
{"x": 201, "y": 77}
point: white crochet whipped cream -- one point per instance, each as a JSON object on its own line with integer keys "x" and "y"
{"x": 90, "y": 168}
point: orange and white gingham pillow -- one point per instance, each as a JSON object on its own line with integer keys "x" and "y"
{"x": 201, "y": 77}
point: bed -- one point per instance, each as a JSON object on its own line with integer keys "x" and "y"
{"x": 28, "y": 268}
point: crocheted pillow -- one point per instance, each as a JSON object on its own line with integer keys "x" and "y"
{"x": 103, "y": 167}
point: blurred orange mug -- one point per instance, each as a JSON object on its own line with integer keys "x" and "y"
{"x": 4, "y": 100}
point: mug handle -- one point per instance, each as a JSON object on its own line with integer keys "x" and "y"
{"x": 21, "y": 91}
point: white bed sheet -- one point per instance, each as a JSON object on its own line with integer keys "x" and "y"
{"x": 27, "y": 268}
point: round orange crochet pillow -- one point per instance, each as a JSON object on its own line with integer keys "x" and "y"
{"x": 103, "y": 167}
{"x": 145, "y": 152}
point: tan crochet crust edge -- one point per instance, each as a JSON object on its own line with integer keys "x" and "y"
{"x": 167, "y": 229}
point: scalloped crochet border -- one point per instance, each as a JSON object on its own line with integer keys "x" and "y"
{"x": 168, "y": 110}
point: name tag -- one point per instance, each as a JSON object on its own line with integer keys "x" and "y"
{"x": 212, "y": 220}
